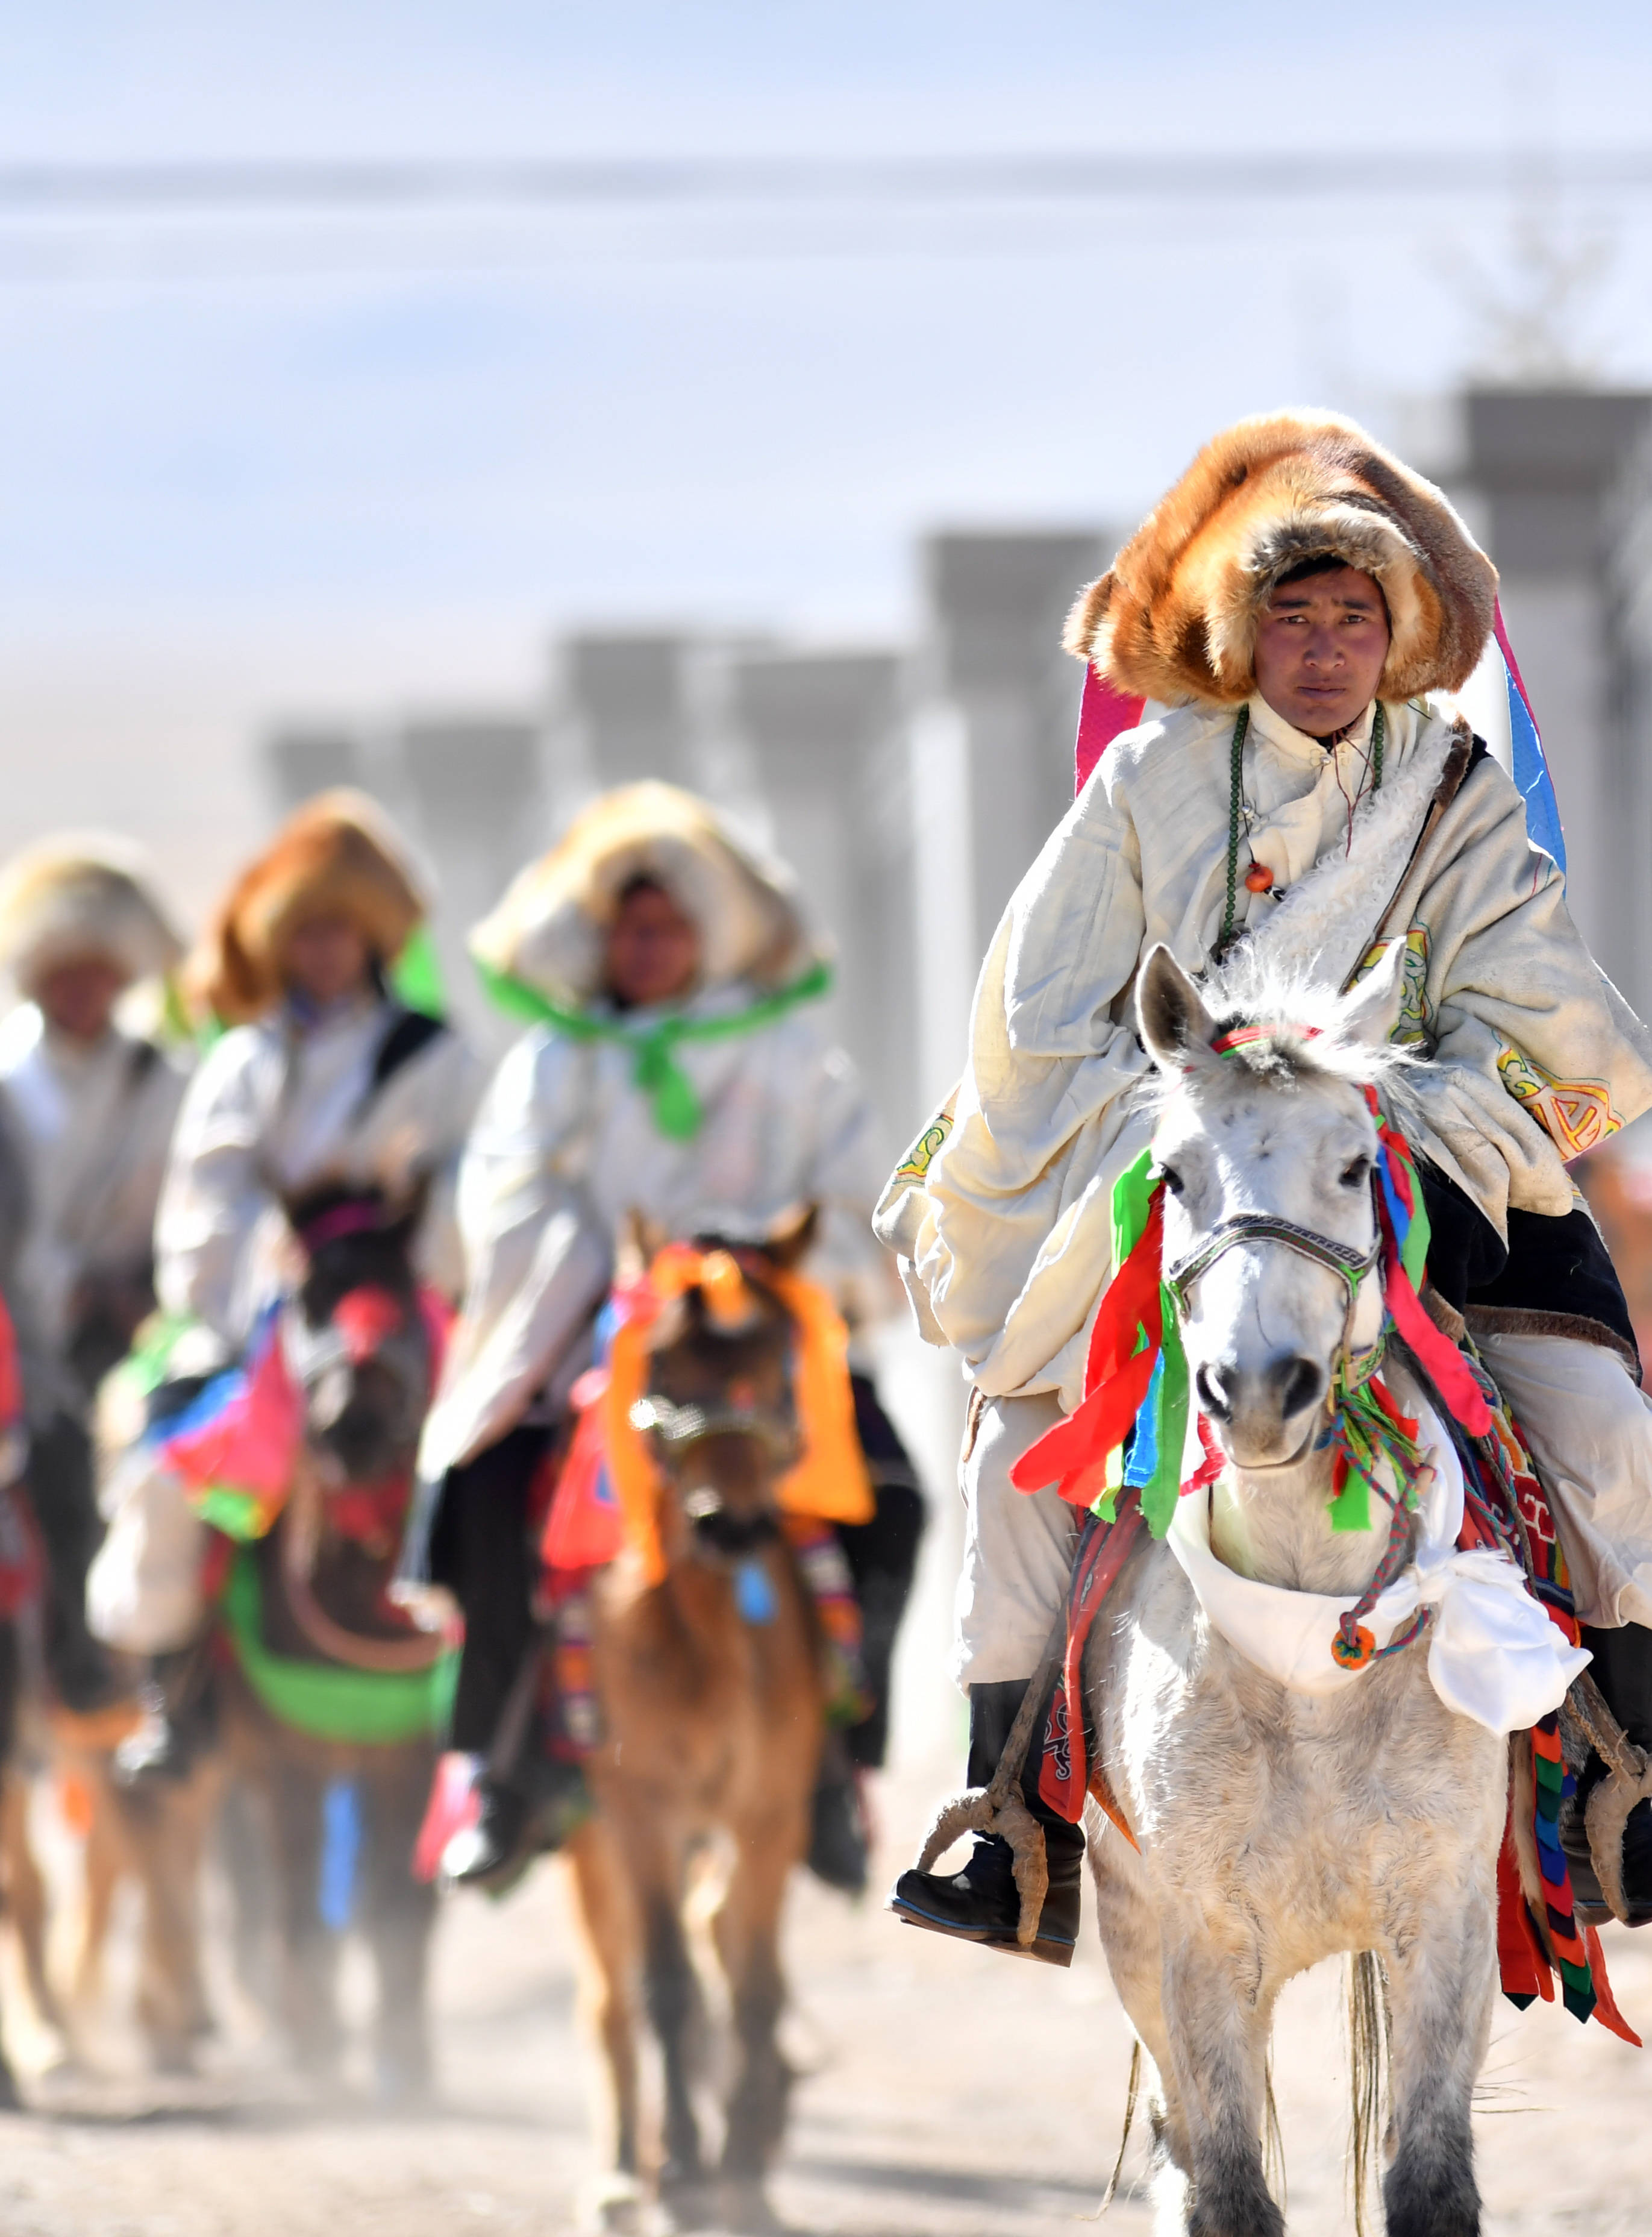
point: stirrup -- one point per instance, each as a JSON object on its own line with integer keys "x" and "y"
{"x": 1000, "y": 1808}
{"x": 1628, "y": 1783}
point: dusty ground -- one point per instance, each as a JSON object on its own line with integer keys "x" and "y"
{"x": 947, "y": 2092}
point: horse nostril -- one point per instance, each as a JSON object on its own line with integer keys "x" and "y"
{"x": 1301, "y": 1384}
{"x": 1212, "y": 1398}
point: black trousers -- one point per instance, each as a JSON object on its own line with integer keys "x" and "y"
{"x": 882, "y": 1556}
{"x": 479, "y": 1550}
{"x": 63, "y": 1497}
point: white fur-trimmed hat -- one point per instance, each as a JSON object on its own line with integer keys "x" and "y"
{"x": 82, "y": 894}
{"x": 549, "y": 929}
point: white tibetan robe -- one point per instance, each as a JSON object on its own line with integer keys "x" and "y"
{"x": 94, "y": 1125}
{"x": 1001, "y": 1214}
{"x": 282, "y": 1106}
{"x": 565, "y": 1145}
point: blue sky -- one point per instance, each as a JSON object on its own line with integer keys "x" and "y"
{"x": 249, "y": 463}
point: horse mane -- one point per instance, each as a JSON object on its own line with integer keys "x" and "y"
{"x": 1308, "y": 1034}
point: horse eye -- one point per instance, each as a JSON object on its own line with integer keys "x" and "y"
{"x": 1356, "y": 1173}
{"x": 1171, "y": 1178}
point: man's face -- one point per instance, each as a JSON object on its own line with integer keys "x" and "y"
{"x": 653, "y": 950}
{"x": 78, "y": 994}
{"x": 1320, "y": 650}
{"x": 326, "y": 958}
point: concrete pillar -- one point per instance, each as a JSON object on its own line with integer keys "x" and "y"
{"x": 476, "y": 807}
{"x": 997, "y": 602}
{"x": 300, "y": 762}
{"x": 1549, "y": 466}
{"x": 827, "y": 757}
{"x": 625, "y": 710}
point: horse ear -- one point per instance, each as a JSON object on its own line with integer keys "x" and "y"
{"x": 1372, "y": 1011}
{"x": 407, "y": 1216}
{"x": 787, "y": 1244}
{"x": 1175, "y": 1024}
{"x": 640, "y": 1242}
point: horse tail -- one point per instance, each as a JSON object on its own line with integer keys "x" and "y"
{"x": 1367, "y": 2073}
{"x": 1132, "y": 2091}
{"x": 1273, "y": 2137}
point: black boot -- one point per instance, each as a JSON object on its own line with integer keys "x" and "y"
{"x": 981, "y": 1903}
{"x": 496, "y": 1850}
{"x": 1623, "y": 1670}
{"x": 837, "y": 1841}
{"x": 533, "y": 1791}
{"x": 63, "y": 1498}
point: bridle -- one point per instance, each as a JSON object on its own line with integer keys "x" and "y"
{"x": 677, "y": 1429}
{"x": 1345, "y": 1260}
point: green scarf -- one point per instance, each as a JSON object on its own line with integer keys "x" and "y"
{"x": 655, "y": 1069}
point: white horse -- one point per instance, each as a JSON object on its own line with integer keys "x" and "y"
{"x": 1276, "y": 1826}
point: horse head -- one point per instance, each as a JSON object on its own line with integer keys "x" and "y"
{"x": 1268, "y": 1148}
{"x": 356, "y": 1340}
{"x": 718, "y": 1408}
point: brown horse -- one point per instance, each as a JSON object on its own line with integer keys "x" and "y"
{"x": 327, "y": 1701}
{"x": 712, "y": 1694}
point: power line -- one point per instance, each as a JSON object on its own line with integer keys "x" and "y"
{"x": 343, "y": 188}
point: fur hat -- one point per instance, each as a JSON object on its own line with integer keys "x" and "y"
{"x": 1175, "y": 617}
{"x": 549, "y": 929}
{"x": 77, "y": 896}
{"x": 338, "y": 853}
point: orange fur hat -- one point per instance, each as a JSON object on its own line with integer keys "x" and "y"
{"x": 338, "y": 854}
{"x": 1175, "y": 617}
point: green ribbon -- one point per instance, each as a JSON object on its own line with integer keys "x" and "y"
{"x": 1154, "y": 1467}
{"x": 655, "y": 1070}
{"x": 416, "y": 976}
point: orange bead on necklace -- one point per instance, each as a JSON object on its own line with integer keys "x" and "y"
{"x": 1259, "y": 879}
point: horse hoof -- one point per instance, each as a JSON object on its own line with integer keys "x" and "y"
{"x": 11, "y": 2096}
{"x": 616, "y": 2204}
{"x": 688, "y": 2202}
{"x": 744, "y": 2210}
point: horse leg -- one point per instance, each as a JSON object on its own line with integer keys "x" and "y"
{"x": 609, "y": 1939}
{"x": 398, "y": 1912}
{"x": 1217, "y": 2022}
{"x": 25, "y": 1893}
{"x": 1129, "y": 1931}
{"x": 1442, "y": 1991}
{"x": 103, "y": 1860}
{"x": 309, "y": 2004}
{"x": 654, "y": 1854}
{"x": 748, "y": 1929}
{"x": 163, "y": 1831}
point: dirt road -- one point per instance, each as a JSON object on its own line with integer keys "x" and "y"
{"x": 946, "y": 2093}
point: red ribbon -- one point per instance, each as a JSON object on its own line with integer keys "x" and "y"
{"x": 1074, "y": 1455}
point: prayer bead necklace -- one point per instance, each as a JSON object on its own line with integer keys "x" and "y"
{"x": 1236, "y": 810}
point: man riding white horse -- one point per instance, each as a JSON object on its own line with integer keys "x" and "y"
{"x": 1288, "y": 609}
{"x": 91, "y": 1104}
{"x": 678, "y": 1073}
{"x": 324, "y": 1076}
